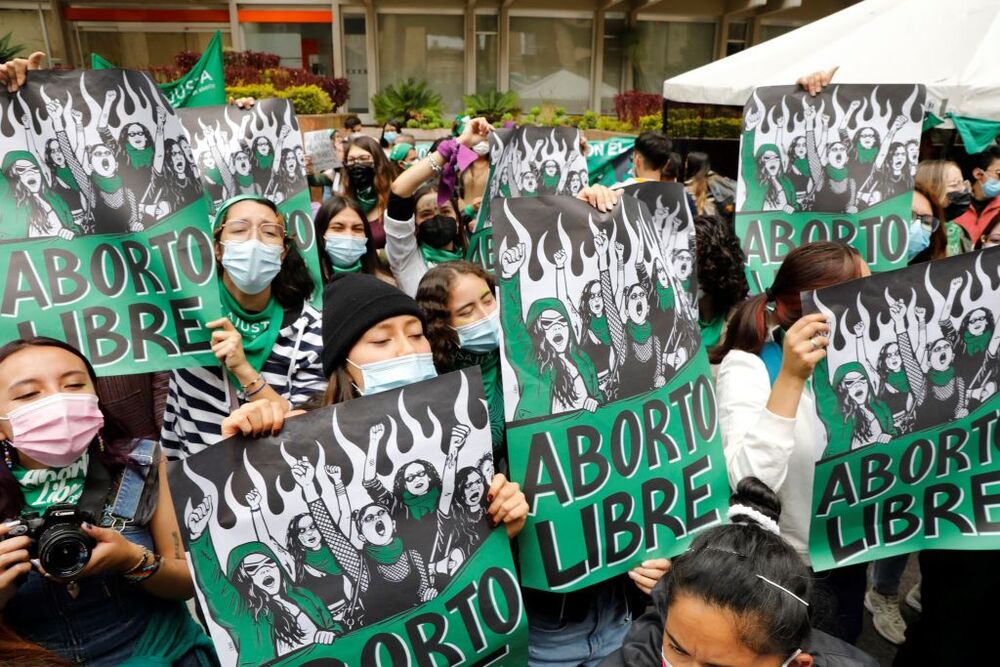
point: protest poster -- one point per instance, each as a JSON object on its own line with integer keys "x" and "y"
{"x": 611, "y": 414}
{"x": 908, "y": 397}
{"x": 99, "y": 202}
{"x": 204, "y": 85}
{"x": 527, "y": 162}
{"x": 673, "y": 227}
{"x": 839, "y": 166}
{"x": 257, "y": 151}
{"x": 319, "y": 148}
{"x": 609, "y": 160}
{"x": 356, "y": 536}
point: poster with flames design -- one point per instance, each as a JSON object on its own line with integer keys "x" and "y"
{"x": 908, "y": 395}
{"x": 837, "y": 166}
{"x": 356, "y": 536}
{"x": 100, "y": 200}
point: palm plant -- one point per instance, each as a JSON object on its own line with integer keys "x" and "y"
{"x": 8, "y": 51}
{"x": 494, "y": 106}
{"x": 410, "y": 100}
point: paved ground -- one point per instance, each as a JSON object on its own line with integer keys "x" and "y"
{"x": 871, "y": 641}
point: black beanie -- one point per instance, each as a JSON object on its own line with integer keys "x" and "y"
{"x": 352, "y": 304}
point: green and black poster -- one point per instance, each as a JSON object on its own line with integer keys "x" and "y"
{"x": 839, "y": 166}
{"x": 356, "y": 536}
{"x": 256, "y": 151}
{"x": 908, "y": 395}
{"x": 611, "y": 414}
{"x": 104, "y": 239}
{"x": 527, "y": 162}
{"x": 203, "y": 86}
{"x": 609, "y": 160}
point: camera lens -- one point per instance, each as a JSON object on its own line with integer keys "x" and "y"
{"x": 64, "y": 550}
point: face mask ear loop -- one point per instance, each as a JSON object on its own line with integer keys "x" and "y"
{"x": 356, "y": 387}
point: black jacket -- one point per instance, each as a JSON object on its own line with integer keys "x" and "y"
{"x": 644, "y": 642}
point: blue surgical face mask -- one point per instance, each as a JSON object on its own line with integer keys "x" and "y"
{"x": 481, "y": 336}
{"x": 345, "y": 251}
{"x": 390, "y": 136}
{"x": 250, "y": 264}
{"x": 920, "y": 239}
{"x": 393, "y": 373}
{"x": 991, "y": 188}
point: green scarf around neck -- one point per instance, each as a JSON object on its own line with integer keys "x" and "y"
{"x": 259, "y": 330}
{"x": 599, "y": 327}
{"x": 214, "y": 175}
{"x": 836, "y": 174}
{"x": 550, "y": 182}
{"x": 976, "y": 344}
{"x": 420, "y": 506}
{"x": 941, "y": 378}
{"x": 640, "y": 332}
{"x": 438, "y": 255}
{"x": 107, "y": 184}
{"x": 367, "y": 199}
{"x": 263, "y": 161}
{"x": 711, "y": 332}
{"x": 353, "y": 268}
{"x": 244, "y": 180}
{"x": 866, "y": 155}
{"x": 323, "y": 560}
{"x": 385, "y": 554}
{"x": 65, "y": 175}
{"x": 802, "y": 166}
{"x": 140, "y": 158}
{"x": 898, "y": 381}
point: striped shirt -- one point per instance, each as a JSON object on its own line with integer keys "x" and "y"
{"x": 198, "y": 399}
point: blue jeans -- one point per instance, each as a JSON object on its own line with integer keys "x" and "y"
{"x": 553, "y": 642}
{"x": 886, "y": 574}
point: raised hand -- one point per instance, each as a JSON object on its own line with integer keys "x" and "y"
{"x": 805, "y": 344}
{"x": 198, "y": 520}
{"x": 897, "y": 311}
{"x": 512, "y": 260}
{"x": 620, "y": 251}
{"x": 303, "y": 472}
{"x": 559, "y": 257}
{"x": 859, "y": 329}
{"x": 334, "y": 473}
{"x": 814, "y": 83}
{"x": 459, "y": 434}
{"x": 253, "y": 499}
{"x": 590, "y": 404}
{"x": 601, "y": 242}
{"x": 375, "y": 433}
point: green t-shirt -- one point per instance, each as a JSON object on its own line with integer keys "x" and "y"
{"x": 45, "y": 487}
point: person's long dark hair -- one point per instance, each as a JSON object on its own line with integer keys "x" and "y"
{"x": 862, "y": 425}
{"x": 114, "y": 454}
{"x": 810, "y": 266}
{"x": 938, "y": 249}
{"x": 739, "y": 568}
{"x": 720, "y": 266}
{"x": 461, "y": 243}
{"x": 399, "y": 482}
{"x": 990, "y": 322}
{"x": 563, "y": 388}
{"x": 385, "y": 172}
{"x": 370, "y": 263}
{"x": 433, "y": 295}
{"x": 295, "y": 548}
{"x": 286, "y": 627}
{"x": 17, "y": 651}
{"x": 293, "y": 285}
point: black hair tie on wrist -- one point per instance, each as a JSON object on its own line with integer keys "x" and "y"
{"x": 769, "y": 294}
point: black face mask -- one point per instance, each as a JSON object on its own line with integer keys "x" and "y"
{"x": 362, "y": 176}
{"x": 958, "y": 203}
{"x": 438, "y": 231}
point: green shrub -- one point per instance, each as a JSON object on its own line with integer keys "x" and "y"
{"x": 258, "y": 91}
{"x": 653, "y": 121}
{"x": 609, "y": 124}
{"x": 409, "y": 101}
{"x": 310, "y": 99}
{"x": 492, "y": 105}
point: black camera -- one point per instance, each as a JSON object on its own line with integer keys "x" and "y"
{"x": 60, "y": 545}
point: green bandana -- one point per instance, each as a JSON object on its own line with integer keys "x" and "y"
{"x": 323, "y": 560}
{"x": 599, "y": 326}
{"x": 367, "y": 199}
{"x": 438, "y": 255}
{"x": 385, "y": 554}
{"x": 214, "y": 175}
{"x": 976, "y": 344}
{"x": 802, "y": 166}
{"x": 353, "y": 268}
{"x": 550, "y": 182}
{"x": 640, "y": 332}
{"x": 263, "y": 161}
{"x": 245, "y": 180}
{"x": 420, "y": 506}
{"x": 67, "y": 177}
{"x": 44, "y": 487}
{"x": 711, "y": 332}
{"x": 941, "y": 378}
{"x": 139, "y": 157}
{"x": 259, "y": 330}
{"x": 106, "y": 183}
{"x": 867, "y": 155}
{"x": 954, "y": 233}
{"x": 898, "y": 381}
{"x": 665, "y": 296}
{"x": 836, "y": 174}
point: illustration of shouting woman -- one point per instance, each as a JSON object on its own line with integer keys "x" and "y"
{"x": 868, "y": 419}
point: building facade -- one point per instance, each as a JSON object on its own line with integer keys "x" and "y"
{"x": 573, "y": 53}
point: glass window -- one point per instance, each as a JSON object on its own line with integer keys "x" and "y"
{"x": 614, "y": 57}
{"x": 138, "y": 50}
{"x": 771, "y": 31}
{"x": 737, "y": 39}
{"x": 356, "y": 62}
{"x": 487, "y": 52}
{"x": 430, "y": 48}
{"x": 300, "y": 45}
{"x": 25, "y": 28}
{"x": 550, "y": 61}
{"x": 667, "y": 48}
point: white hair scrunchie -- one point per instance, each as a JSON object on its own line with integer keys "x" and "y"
{"x": 765, "y": 522}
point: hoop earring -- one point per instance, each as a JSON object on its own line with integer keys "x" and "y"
{"x": 100, "y": 442}
{"x": 8, "y": 458}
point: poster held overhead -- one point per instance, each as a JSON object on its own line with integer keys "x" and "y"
{"x": 908, "y": 397}
{"x": 318, "y": 147}
{"x": 838, "y": 166}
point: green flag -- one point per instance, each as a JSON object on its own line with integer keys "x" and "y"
{"x": 203, "y": 86}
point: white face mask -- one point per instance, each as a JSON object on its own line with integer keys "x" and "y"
{"x": 380, "y": 376}
{"x": 482, "y": 148}
{"x": 251, "y": 265}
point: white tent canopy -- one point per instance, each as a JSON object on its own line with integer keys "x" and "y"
{"x": 950, "y": 46}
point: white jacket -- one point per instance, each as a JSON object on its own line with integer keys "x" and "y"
{"x": 779, "y": 451}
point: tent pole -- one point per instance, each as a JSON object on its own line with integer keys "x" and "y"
{"x": 950, "y": 144}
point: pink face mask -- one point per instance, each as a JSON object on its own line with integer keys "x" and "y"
{"x": 56, "y": 430}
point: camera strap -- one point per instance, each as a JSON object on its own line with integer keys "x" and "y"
{"x": 96, "y": 486}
